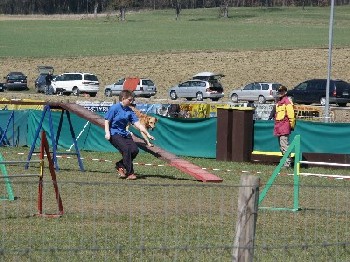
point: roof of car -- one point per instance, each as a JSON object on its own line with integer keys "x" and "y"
{"x": 43, "y": 69}
{"x": 15, "y": 73}
{"x": 207, "y": 74}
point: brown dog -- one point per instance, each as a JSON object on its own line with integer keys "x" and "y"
{"x": 149, "y": 122}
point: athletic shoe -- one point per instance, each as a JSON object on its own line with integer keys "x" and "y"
{"x": 121, "y": 172}
{"x": 131, "y": 177}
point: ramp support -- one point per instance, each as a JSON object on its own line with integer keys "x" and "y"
{"x": 54, "y": 141}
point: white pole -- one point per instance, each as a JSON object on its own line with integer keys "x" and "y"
{"x": 330, "y": 44}
{"x": 70, "y": 148}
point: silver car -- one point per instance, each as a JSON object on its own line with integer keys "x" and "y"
{"x": 140, "y": 87}
{"x": 257, "y": 91}
{"x": 198, "y": 89}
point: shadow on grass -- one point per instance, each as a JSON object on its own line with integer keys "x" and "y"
{"x": 161, "y": 176}
{"x": 86, "y": 171}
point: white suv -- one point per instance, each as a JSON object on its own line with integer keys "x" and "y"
{"x": 76, "y": 83}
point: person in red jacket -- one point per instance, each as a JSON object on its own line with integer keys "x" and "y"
{"x": 284, "y": 121}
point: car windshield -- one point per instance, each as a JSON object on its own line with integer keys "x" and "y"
{"x": 16, "y": 77}
{"x": 342, "y": 85}
{"x": 148, "y": 82}
{"x": 91, "y": 77}
{"x": 275, "y": 86}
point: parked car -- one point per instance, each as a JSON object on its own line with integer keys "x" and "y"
{"x": 40, "y": 81}
{"x": 256, "y": 91}
{"x": 141, "y": 87}
{"x": 203, "y": 85}
{"x": 76, "y": 83}
{"x": 16, "y": 81}
{"x": 314, "y": 91}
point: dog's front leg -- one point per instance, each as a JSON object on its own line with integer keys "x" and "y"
{"x": 146, "y": 139}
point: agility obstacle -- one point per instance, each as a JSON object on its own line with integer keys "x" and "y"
{"x": 185, "y": 166}
{"x": 181, "y": 164}
{"x": 44, "y": 149}
{"x": 54, "y": 141}
{"x": 295, "y": 145}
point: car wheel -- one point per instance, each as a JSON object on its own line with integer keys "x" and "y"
{"x": 199, "y": 96}
{"x": 234, "y": 98}
{"x": 323, "y": 101}
{"x": 75, "y": 91}
{"x": 173, "y": 95}
{"x": 261, "y": 100}
{"x": 108, "y": 92}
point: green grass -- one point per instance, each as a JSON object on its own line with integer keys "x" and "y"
{"x": 157, "y": 31}
{"x": 166, "y": 215}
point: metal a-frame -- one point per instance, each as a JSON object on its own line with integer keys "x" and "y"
{"x": 54, "y": 141}
{"x": 295, "y": 145}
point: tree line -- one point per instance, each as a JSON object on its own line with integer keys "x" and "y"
{"x": 48, "y": 7}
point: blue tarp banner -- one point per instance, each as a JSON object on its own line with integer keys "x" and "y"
{"x": 194, "y": 137}
{"x": 13, "y": 125}
{"x": 316, "y": 137}
{"x": 186, "y": 137}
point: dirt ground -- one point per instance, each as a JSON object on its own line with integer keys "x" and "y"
{"x": 288, "y": 67}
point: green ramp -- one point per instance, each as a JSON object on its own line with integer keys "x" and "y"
{"x": 296, "y": 146}
{"x": 8, "y": 185}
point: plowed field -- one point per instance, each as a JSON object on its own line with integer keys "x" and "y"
{"x": 288, "y": 67}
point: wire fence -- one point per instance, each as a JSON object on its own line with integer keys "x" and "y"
{"x": 153, "y": 222}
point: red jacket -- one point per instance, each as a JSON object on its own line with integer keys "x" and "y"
{"x": 284, "y": 117}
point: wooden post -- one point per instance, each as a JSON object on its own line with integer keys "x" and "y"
{"x": 243, "y": 247}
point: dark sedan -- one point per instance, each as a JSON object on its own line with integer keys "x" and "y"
{"x": 314, "y": 91}
{"x": 16, "y": 81}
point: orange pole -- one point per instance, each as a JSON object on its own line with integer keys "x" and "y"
{"x": 53, "y": 173}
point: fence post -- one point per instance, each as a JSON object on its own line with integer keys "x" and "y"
{"x": 243, "y": 247}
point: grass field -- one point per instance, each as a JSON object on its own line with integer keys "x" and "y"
{"x": 165, "y": 215}
{"x": 158, "y": 31}
{"x": 286, "y": 45}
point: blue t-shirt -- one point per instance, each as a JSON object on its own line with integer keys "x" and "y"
{"x": 119, "y": 117}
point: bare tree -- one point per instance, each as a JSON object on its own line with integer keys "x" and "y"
{"x": 122, "y": 5}
{"x": 223, "y": 11}
{"x": 95, "y": 9}
{"x": 177, "y": 9}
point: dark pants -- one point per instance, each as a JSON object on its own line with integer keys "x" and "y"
{"x": 129, "y": 150}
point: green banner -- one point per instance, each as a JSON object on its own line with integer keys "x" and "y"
{"x": 13, "y": 125}
{"x": 195, "y": 137}
{"x": 316, "y": 137}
